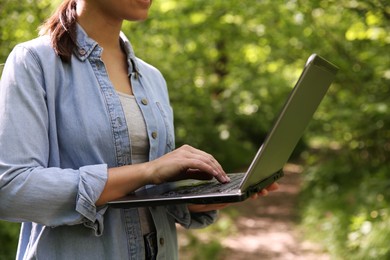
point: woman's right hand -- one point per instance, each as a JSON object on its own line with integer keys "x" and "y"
{"x": 186, "y": 162}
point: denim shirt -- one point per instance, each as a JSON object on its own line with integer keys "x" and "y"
{"x": 61, "y": 127}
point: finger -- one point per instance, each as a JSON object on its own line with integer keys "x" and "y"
{"x": 263, "y": 192}
{"x": 197, "y": 159}
{"x": 199, "y": 164}
{"x": 208, "y": 159}
{"x": 273, "y": 186}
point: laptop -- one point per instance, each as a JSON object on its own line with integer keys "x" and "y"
{"x": 267, "y": 165}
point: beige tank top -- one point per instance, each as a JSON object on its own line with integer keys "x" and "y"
{"x": 139, "y": 147}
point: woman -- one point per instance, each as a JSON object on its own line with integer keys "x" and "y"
{"x": 82, "y": 122}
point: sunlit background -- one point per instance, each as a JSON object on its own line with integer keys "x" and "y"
{"x": 229, "y": 66}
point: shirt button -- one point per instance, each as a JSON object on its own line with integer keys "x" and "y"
{"x": 82, "y": 52}
{"x": 144, "y": 101}
{"x": 162, "y": 241}
{"x": 154, "y": 134}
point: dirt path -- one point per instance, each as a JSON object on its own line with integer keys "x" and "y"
{"x": 267, "y": 227}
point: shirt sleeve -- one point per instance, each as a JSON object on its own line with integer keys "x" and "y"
{"x": 31, "y": 189}
{"x": 188, "y": 219}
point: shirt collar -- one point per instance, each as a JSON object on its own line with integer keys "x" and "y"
{"x": 87, "y": 46}
{"x": 128, "y": 48}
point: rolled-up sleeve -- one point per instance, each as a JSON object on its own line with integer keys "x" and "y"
{"x": 53, "y": 196}
{"x": 91, "y": 185}
{"x": 188, "y": 219}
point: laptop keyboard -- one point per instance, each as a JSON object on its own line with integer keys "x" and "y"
{"x": 208, "y": 187}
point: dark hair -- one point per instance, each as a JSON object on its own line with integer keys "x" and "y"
{"x": 61, "y": 27}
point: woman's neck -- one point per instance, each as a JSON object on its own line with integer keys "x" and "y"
{"x": 99, "y": 26}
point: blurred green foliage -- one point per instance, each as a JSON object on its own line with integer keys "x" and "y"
{"x": 229, "y": 67}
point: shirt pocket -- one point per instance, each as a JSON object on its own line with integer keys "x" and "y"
{"x": 166, "y": 114}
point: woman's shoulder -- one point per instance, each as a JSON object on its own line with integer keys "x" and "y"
{"x": 144, "y": 66}
{"x": 39, "y": 47}
{"x": 150, "y": 71}
{"x": 36, "y": 43}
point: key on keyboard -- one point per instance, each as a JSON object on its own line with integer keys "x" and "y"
{"x": 208, "y": 187}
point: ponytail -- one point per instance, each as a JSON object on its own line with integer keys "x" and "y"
{"x": 61, "y": 27}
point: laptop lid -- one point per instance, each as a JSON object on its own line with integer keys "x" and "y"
{"x": 289, "y": 126}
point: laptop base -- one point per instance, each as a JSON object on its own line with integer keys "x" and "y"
{"x": 165, "y": 194}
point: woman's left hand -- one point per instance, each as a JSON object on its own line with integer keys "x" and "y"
{"x": 196, "y": 208}
{"x": 264, "y": 192}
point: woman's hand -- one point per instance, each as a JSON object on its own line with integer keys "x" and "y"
{"x": 196, "y": 208}
{"x": 186, "y": 162}
{"x": 264, "y": 192}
